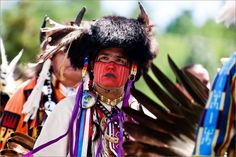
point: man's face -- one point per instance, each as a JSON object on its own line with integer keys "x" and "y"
{"x": 111, "y": 68}
{"x": 201, "y": 74}
{"x": 62, "y": 67}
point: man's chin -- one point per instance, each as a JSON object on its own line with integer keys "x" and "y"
{"x": 109, "y": 86}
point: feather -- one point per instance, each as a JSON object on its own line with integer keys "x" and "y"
{"x": 56, "y": 37}
{"x": 60, "y": 38}
{"x": 145, "y": 120}
{"x": 143, "y": 15}
{"x": 13, "y": 63}
{"x": 160, "y": 113}
{"x": 177, "y": 100}
{"x": 43, "y": 34}
{"x": 31, "y": 106}
{"x": 165, "y": 135}
{"x": 169, "y": 102}
{"x": 133, "y": 148}
{"x": 18, "y": 144}
{"x": 9, "y": 153}
{"x": 54, "y": 32}
{"x": 199, "y": 87}
{"x": 80, "y": 16}
{"x": 149, "y": 28}
{"x": 21, "y": 141}
{"x": 170, "y": 87}
{"x": 53, "y": 23}
{"x": 149, "y": 104}
{"x": 3, "y": 55}
{"x": 50, "y": 50}
{"x": 163, "y": 125}
{"x": 17, "y": 147}
{"x": 28, "y": 138}
{"x": 7, "y": 71}
{"x": 185, "y": 82}
{"x": 147, "y": 135}
{"x": 78, "y": 33}
{"x": 227, "y": 14}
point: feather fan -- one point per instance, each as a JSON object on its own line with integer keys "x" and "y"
{"x": 174, "y": 126}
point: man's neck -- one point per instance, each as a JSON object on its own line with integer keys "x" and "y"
{"x": 109, "y": 93}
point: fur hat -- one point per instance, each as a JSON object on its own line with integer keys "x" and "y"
{"x": 133, "y": 36}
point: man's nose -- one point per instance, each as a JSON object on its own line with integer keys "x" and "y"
{"x": 111, "y": 65}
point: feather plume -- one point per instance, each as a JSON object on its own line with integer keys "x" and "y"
{"x": 170, "y": 87}
{"x": 198, "y": 86}
{"x": 18, "y": 144}
{"x": 28, "y": 138}
{"x": 53, "y": 23}
{"x": 155, "y": 108}
{"x": 21, "y": 141}
{"x": 7, "y": 70}
{"x": 80, "y": 16}
{"x": 147, "y": 135}
{"x": 43, "y": 34}
{"x": 185, "y": 80}
{"x": 58, "y": 38}
{"x": 17, "y": 147}
{"x": 227, "y": 14}
{"x": 173, "y": 131}
{"x": 149, "y": 27}
{"x": 3, "y": 54}
{"x": 31, "y": 106}
{"x": 169, "y": 102}
{"x": 176, "y": 99}
{"x": 133, "y": 148}
{"x": 9, "y": 153}
{"x": 143, "y": 15}
{"x": 13, "y": 63}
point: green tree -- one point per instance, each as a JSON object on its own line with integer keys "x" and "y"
{"x": 21, "y": 23}
{"x": 182, "y": 25}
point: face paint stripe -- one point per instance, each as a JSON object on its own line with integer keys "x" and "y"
{"x": 122, "y": 78}
{"x": 97, "y": 71}
{"x": 123, "y": 74}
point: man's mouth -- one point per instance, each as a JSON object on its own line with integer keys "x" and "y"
{"x": 110, "y": 75}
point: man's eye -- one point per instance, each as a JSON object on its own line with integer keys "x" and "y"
{"x": 120, "y": 61}
{"x": 102, "y": 58}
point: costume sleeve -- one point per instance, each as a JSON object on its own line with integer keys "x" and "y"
{"x": 216, "y": 128}
{"x": 56, "y": 125}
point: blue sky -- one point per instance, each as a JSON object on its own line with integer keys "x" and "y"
{"x": 163, "y": 12}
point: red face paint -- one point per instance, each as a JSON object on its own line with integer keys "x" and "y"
{"x": 110, "y": 75}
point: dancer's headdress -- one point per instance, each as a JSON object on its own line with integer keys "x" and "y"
{"x": 52, "y": 39}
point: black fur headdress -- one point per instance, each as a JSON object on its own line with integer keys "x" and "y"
{"x": 133, "y": 36}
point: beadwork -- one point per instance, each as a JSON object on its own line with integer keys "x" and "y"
{"x": 109, "y": 101}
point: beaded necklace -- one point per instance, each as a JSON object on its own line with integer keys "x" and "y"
{"x": 109, "y": 101}
{"x": 47, "y": 90}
